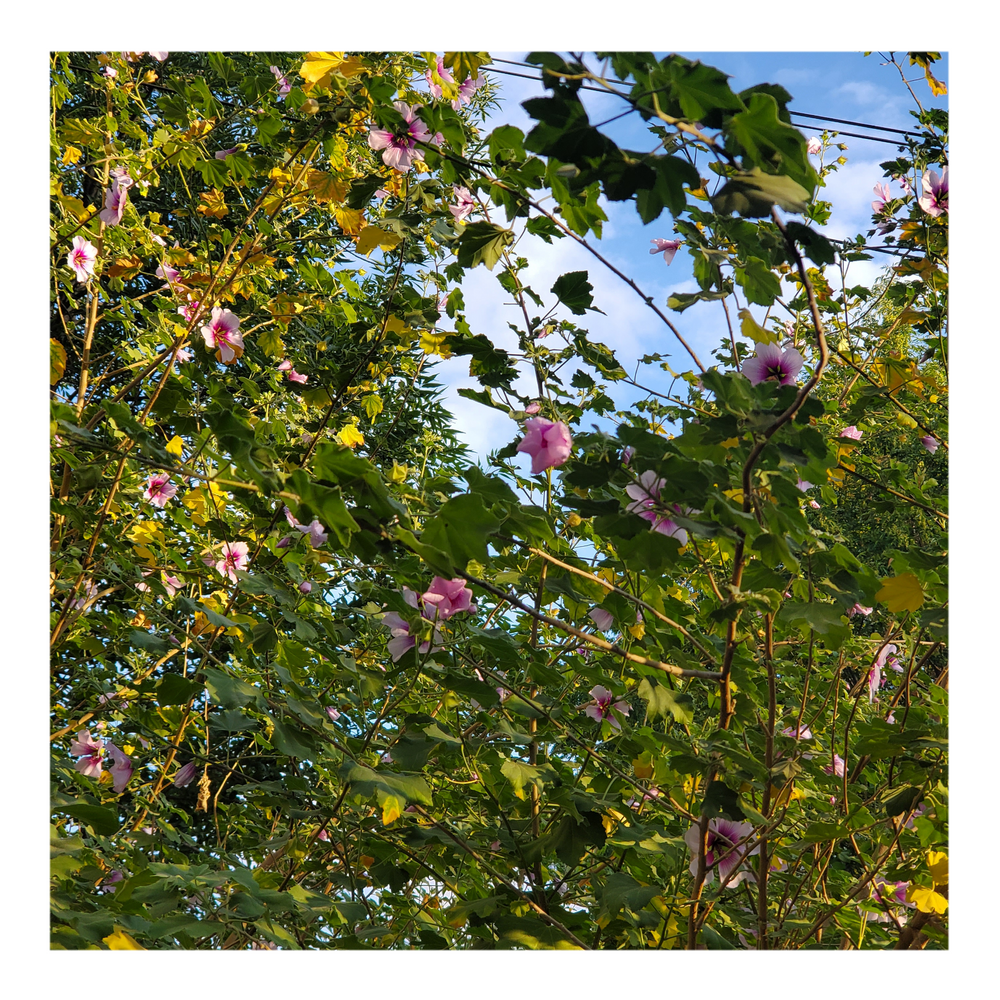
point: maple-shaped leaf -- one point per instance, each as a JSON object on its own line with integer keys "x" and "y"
{"x": 57, "y": 361}
{"x": 319, "y": 67}
{"x": 325, "y": 187}
{"x": 901, "y": 593}
{"x": 213, "y": 204}
{"x": 120, "y": 941}
{"x": 926, "y": 900}
{"x": 372, "y": 237}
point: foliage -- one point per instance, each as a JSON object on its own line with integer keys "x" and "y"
{"x": 475, "y": 790}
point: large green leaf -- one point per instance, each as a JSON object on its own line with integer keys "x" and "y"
{"x": 752, "y": 194}
{"x": 575, "y": 291}
{"x": 769, "y": 141}
{"x": 482, "y": 243}
{"x": 460, "y": 529}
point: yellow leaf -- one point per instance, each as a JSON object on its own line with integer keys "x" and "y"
{"x": 213, "y": 204}
{"x": 71, "y": 155}
{"x": 434, "y": 343}
{"x": 937, "y": 862}
{"x": 926, "y": 900}
{"x": 465, "y": 64}
{"x": 749, "y": 328}
{"x": 642, "y": 770}
{"x": 125, "y": 267}
{"x": 325, "y": 187}
{"x": 175, "y": 446}
{"x": 638, "y": 630}
{"x": 901, "y": 593}
{"x": 57, "y": 360}
{"x": 399, "y": 472}
{"x": 350, "y": 220}
{"x": 372, "y": 236}
{"x": 392, "y": 809}
{"x": 280, "y": 175}
{"x": 140, "y": 621}
{"x": 351, "y": 437}
{"x": 938, "y": 89}
{"x": 120, "y": 941}
{"x": 320, "y": 66}
{"x": 730, "y": 443}
{"x": 204, "y": 502}
{"x": 199, "y": 128}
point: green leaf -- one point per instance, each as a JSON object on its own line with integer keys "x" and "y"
{"x": 622, "y": 890}
{"x": 700, "y": 89}
{"x": 460, "y": 529}
{"x": 759, "y": 282}
{"x": 574, "y": 291}
{"x": 101, "y": 820}
{"x": 173, "y": 689}
{"x": 769, "y": 141}
{"x": 482, "y": 243}
{"x": 229, "y": 691}
{"x": 661, "y": 702}
{"x": 368, "y": 782}
{"x": 564, "y": 131}
{"x": 752, "y": 195}
{"x": 824, "y": 619}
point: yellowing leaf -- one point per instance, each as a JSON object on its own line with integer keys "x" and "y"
{"x": 283, "y": 307}
{"x": 730, "y": 443}
{"x": 280, "y": 175}
{"x": 749, "y": 328}
{"x": 392, "y": 809}
{"x": 120, "y": 941}
{"x": 71, "y": 155}
{"x": 901, "y": 593}
{"x": 938, "y": 89}
{"x": 175, "y": 446}
{"x": 213, "y": 204}
{"x": 434, "y": 343}
{"x": 937, "y": 862}
{"x": 638, "y": 630}
{"x": 372, "y": 236}
{"x": 320, "y": 66}
{"x": 642, "y": 770}
{"x": 465, "y": 64}
{"x": 57, "y": 360}
{"x": 204, "y": 502}
{"x": 325, "y": 187}
{"x": 926, "y": 900}
{"x": 199, "y": 128}
{"x": 351, "y": 437}
{"x": 399, "y": 472}
{"x": 125, "y": 267}
{"x": 350, "y": 220}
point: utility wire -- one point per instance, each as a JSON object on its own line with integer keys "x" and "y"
{"x": 800, "y": 114}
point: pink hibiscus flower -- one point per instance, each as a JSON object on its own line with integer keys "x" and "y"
{"x": 399, "y": 146}
{"x": 82, "y": 259}
{"x": 547, "y": 442}
{"x": 223, "y": 332}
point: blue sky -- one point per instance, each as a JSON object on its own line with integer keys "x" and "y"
{"x": 843, "y": 85}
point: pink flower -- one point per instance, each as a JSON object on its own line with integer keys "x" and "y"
{"x": 600, "y": 708}
{"x": 875, "y": 674}
{"x": 892, "y": 893}
{"x": 399, "y": 146}
{"x": 121, "y": 767}
{"x": 601, "y": 618}
{"x": 548, "y": 443}
{"x": 465, "y": 204}
{"x": 929, "y": 443}
{"x": 235, "y": 556}
{"x": 769, "y": 361}
{"x": 646, "y": 503}
{"x": 315, "y": 531}
{"x": 170, "y": 275}
{"x": 305, "y": 587}
{"x": 859, "y": 609}
{"x": 799, "y": 732}
{"x": 669, "y": 248}
{"x": 532, "y": 408}
{"x": 627, "y": 455}
{"x": 814, "y": 505}
{"x": 401, "y": 639}
{"x": 294, "y": 376}
{"x": 435, "y": 88}
{"x": 882, "y": 194}
{"x": 814, "y": 147}
{"x": 446, "y": 598}
{"x": 159, "y": 489}
{"x": 333, "y": 713}
{"x": 82, "y": 258}
{"x": 110, "y": 72}
{"x": 935, "y": 199}
{"x": 115, "y": 197}
{"x": 190, "y": 311}
{"x": 186, "y": 774}
{"x": 804, "y": 484}
{"x": 183, "y": 354}
{"x": 837, "y": 767}
{"x": 223, "y": 153}
{"x": 109, "y": 884}
{"x": 852, "y": 433}
{"x": 721, "y": 852}
{"x": 904, "y": 183}
{"x": 90, "y": 752}
{"x": 381, "y": 193}
{"x": 90, "y": 591}
{"x": 284, "y": 87}
{"x": 223, "y": 332}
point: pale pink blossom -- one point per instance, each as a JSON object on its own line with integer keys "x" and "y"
{"x": 769, "y": 361}
{"x": 401, "y": 639}
{"x": 110, "y": 883}
{"x": 294, "y": 376}
{"x": 602, "y": 618}
{"x": 305, "y": 587}
{"x": 235, "y": 556}
{"x": 116, "y": 197}
{"x": 904, "y": 183}
{"x": 110, "y": 72}
{"x": 532, "y": 408}
{"x": 859, "y": 609}
{"x": 91, "y": 753}
{"x": 547, "y": 442}
{"x": 646, "y": 503}
{"x": 284, "y": 87}
{"x": 445, "y": 598}
{"x": 799, "y": 732}
{"x": 171, "y": 276}
{"x": 399, "y": 147}
{"x": 158, "y": 56}
{"x": 882, "y": 195}
{"x": 722, "y": 854}
{"x": 333, "y": 713}
{"x": 190, "y": 311}
{"x": 183, "y": 354}
{"x": 814, "y": 146}
{"x": 186, "y": 774}
{"x": 935, "y": 199}
{"x": 852, "y": 433}
{"x": 814, "y": 505}
{"x": 668, "y": 247}
{"x": 159, "y": 489}
{"x": 837, "y": 767}
{"x": 603, "y": 702}
{"x": 464, "y": 205}
{"x": 90, "y": 591}
{"x": 315, "y": 531}
{"x": 875, "y": 673}
{"x": 930, "y": 443}
{"x": 223, "y": 333}
{"x": 466, "y": 89}
{"x": 804, "y": 484}
{"x": 121, "y": 767}
{"x": 82, "y": 259}
{"x": 223, "y": 153}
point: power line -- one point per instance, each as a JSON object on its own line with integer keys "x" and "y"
{"x": 799, "y": 114}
